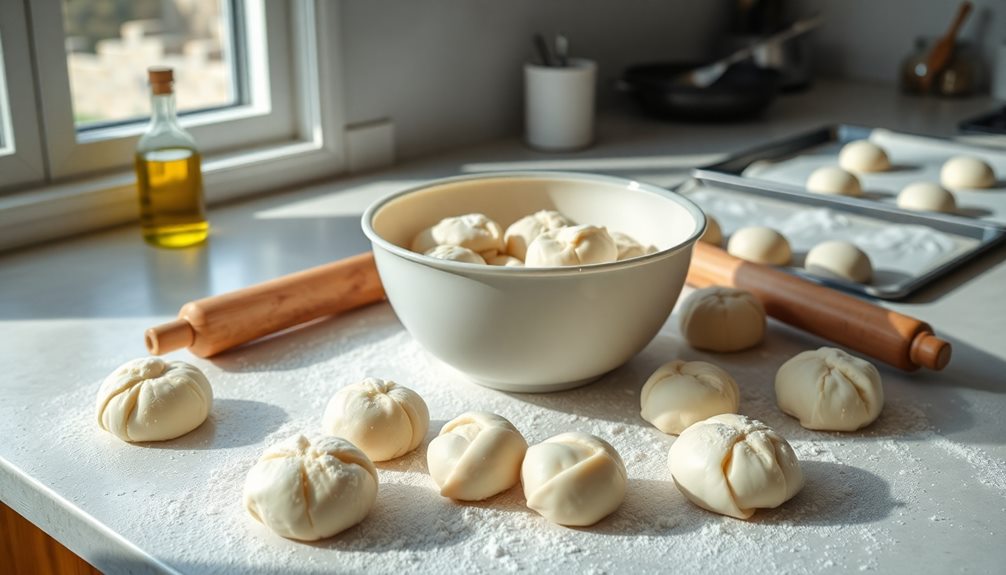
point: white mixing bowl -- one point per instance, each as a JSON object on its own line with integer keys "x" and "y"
{"x": 535, "y": 329}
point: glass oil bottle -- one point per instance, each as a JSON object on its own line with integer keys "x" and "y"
{"x": 169, "y": 173}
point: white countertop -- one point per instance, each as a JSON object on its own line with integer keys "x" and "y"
{"x": 923, "y": 488}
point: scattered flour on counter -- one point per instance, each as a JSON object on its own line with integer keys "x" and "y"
{"x": 181, "y": 500}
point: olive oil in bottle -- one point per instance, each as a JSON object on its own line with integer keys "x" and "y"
{"x": 169, "y": 173}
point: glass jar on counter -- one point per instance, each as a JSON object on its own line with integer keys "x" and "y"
{"x": 961, "y": 77}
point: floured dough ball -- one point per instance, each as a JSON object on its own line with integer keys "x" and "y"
{"x": 760, "y": 245}
{"x": 521, "y": 233}
{"x": 150, "y": 399}
{"x": 311, "y": 489}
{"x": 713, "y": 234}
{"x": 733, "y": 465}
{"x": 863, "y": 156}
{"x": 380, "y": 417}
{"x": 828, "y": 389}
{"x": 681, "y": 393}
{"x": 834, "y": 181}
{"x": 629, "y": 248}
{"x": 505, "y": 261}
{"x": 722, "y": 319}
{"x": 573, "y": 479}
{"x": 476, "y": 456}
{"x": 571, "y": 246}
{"x": 839, "y": 260}
{"x": 967, "y": 172}
{"x": 473, "y": 231}
{"x": 423, "y": 242}
{"x": 926, "y": 197}
{"x": 455, "y": 254}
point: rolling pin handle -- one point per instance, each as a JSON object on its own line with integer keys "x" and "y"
{"x": 169, "y": 336}
{"x": 929, "y": 351}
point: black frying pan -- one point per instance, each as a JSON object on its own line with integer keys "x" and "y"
{"x": 743, "y": 91}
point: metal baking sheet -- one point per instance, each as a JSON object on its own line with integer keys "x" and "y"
{"x": 908, "y": 249}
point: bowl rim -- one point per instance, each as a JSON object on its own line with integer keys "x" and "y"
{"x": 691, "y": 207}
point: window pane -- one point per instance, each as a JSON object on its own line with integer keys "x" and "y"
{"x": 4, "y": 106}
{"x": 110, "y": 44}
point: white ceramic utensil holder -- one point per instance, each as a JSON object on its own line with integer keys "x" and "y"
{"x": 559, "y": 105}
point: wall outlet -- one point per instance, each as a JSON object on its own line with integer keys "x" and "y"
{"x": 370, "y": 145}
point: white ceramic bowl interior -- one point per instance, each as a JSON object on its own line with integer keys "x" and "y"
{"x": 534, "y": 329}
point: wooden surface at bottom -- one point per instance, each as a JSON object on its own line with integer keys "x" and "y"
{"x": 26, "y": 549}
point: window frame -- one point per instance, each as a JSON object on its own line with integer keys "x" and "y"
{"x": 21, "y": 159}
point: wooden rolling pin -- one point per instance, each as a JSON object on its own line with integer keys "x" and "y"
{"x": 214, "y": 324}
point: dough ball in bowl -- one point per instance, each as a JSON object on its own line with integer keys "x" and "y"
{"x": 310, "y": 489}
{"x": 967, "y": 172}
{"x": 573, "y": 479}
{"x": 828, "y": 389}
{"x": 473, "y": 231}
{"x": 863, "y": 156}
{"x": 841, "y": 260}
{"x": 834, "y": 181}
{"x": 384, "y": 419}
{"x": 629, "y": 248}
{"x": 150, "y": 399}
{"x": 722, "y": 319}
{"x": 760, "y": 245}
{"x": 476, "y": 456}
{"x": 713, "y": 234}
{"x": 681, "y": 393}
{"x": 572, "y": 246}
{"x": 505, "y": 261}
{"x": 926, "y": 197}
{"x": 455, "y": 254}
{"x": 520, "y": 234}
{"x": 734, "y": 465}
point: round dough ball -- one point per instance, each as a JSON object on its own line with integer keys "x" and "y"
{"x": 473, "y": 231}
{"x": 760, "y": 245}
{"x": 311, "y": 489}
{"x": 505, "y": 261}
{"x": 521, "y": 233}
{"x": 863, "y": 156}
{"x": 713, "y": 234}
{"x": 967, "y": 172}
{"x": 455, "y": 254}
{"x": 834, "y": 181}
{"x": 476, "y": 456}
{"x": 573, "y": 479}
{"x": 733, "y": 465}
{"x": 681, "y": 393}
{"x": 840, "y": 260}
{"x": 571, "y": 246}
{"x": 926, "y": 197}
{"x": 423, "y": 242}
{"x": 149, "y": 399}
{"x": 629, "y": 248}
{"x": 382, "y": 418}
{"x": 828, "y": 389}
{"x": 722, "y": 319}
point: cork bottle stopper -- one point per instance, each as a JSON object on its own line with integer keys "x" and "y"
{"x": 161, "y": 79}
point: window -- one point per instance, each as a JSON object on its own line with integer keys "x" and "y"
{"x": 20, "y": 151}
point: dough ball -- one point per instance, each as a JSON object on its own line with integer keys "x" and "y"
{"x": 476, "y": 456}
{"x": 382, "y": 418}
{"x": 571, "y": 246}
{"x": 455, "y": 254}
{"x": 473, "y": 231}
{"x": 733, "y": 465}
{"x": 760, "y": 245}
{"x": 573, "y": 479}
{"x": 521, "y": 233}
{"x": 423, "y": 242}
{"x": 713, "y": 234}
{"x": 311, "y": 489}
{"x": 834, "y": 181}
{"x": 967, "y": 172}
{"x": 828, "y": 389}
{"x": 839, "y": 260}
{"x": 505, "y": 261}
{"x": 722, "y": 319}
{"x": 863, "y": 156}
{"x": 629, "y": 248}
{"x": 681, "y": 393}
{"x": 149, "y": 399}
{"x": 926, "y": 197}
